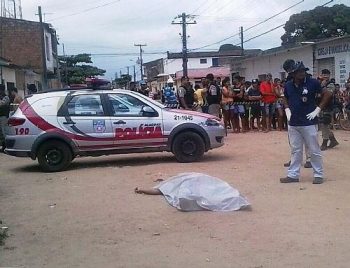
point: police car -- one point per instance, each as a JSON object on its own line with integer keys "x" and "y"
{"x": 57, "y": 126}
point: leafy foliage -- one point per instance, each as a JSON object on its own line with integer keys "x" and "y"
{"x": 123, "y": 81}
{"x": 76, "y": 71}
{"x": 319, "y": 23}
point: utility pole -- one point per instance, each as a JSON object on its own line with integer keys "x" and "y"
{"x": 14, "y": 9}
{"x": 65, "y": 66}
{"x": 184, "y": 24}
{"x": 20, "y": 9}
{"x": 141, "y": 61}
{"x": 241, "y": 35}
{"x": 127, "y": 67}
{"x": 43, "y": 53}
{"x": 134, "y": 73}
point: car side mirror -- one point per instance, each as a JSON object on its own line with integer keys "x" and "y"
{"x": 148, "y": 111}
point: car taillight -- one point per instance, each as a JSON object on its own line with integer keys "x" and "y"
{"x": 15, "y": 121}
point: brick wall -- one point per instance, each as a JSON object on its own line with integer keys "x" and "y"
{"x": 21, "y": 42}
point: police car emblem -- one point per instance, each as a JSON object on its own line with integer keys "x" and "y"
{"x": 99, "y": 125}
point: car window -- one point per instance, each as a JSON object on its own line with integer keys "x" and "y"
{"x": 89, "y": 105}
{"x": 126, "y": 105}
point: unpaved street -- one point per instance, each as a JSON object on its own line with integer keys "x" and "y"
{"x": 89, "y": 215}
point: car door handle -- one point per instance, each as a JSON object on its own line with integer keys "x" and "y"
{"x": 69, "y": 123}
{"x": 120, "y": 122}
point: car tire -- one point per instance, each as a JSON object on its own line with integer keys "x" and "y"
{"x": 188, "y": 147}
{"x": 54, "y": 156}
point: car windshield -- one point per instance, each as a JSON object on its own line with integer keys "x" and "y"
{"x": 158, "y": 104}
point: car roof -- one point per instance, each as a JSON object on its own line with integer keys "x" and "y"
{"x": 62, "y": 92}
{"x": 73, "y": 91}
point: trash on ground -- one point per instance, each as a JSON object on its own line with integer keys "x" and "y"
{"x": 197, "y": 191}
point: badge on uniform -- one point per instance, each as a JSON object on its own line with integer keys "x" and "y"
{"x": 99, "y": 125}
{"x": 305, "y": 91}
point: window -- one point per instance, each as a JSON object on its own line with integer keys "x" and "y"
{"x": 126, "y": 105}
{"x": 10, "y": 85}
{"x": 88, "y": 105}
{"x": 47, "y": 46}
{"x": 203, "y": 61}
{"x": 215, "y": 62}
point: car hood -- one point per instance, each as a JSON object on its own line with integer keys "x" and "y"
{"x": 194, "y": 113}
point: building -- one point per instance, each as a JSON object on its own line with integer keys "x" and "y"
{"x": 21, "y": 44}
{"x": 7, "y": 73}
{"x": 332, "y": 54}
{"x": 199, "y": 64}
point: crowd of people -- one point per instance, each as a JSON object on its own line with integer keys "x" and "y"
{"x": 249, "y": 105}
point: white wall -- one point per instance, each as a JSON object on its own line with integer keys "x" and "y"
{"x": 253, "y": 67}
{"x": 171, "y": 66}
{"x": 9, "y": 75}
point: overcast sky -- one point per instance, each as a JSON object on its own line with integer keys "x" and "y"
{"x": 109, "y": 27}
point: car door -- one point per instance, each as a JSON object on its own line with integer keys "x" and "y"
{"x": 86, "y": 120}
{"x": 136, "y": 123}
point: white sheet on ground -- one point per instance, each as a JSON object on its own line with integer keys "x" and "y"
{"x": 197, "y": 191}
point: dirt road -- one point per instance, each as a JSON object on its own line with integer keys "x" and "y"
{"x": 89, "y": 215}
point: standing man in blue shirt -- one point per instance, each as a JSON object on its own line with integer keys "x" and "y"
{"x": 302, "y": 113}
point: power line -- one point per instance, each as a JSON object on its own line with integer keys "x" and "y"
{"x": 127, "y": 54}
{"x": 86, "y": 10}
{"x": 279, "y": 13}
{"x": 271, "y": 30}
{"x": 275, "y": 28}
{"x": 249, "y": 28}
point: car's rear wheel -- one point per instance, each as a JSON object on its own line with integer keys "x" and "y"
{"x": 188, "y": 147}
{"x": 54, "y": 156}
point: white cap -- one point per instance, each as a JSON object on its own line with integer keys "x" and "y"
{"x": 170, "y": 80}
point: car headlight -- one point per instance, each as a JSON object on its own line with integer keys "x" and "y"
{"x": 212, "y": 122}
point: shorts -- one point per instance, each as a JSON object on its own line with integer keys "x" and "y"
{"x": 238, "y": 109}
{"x": 255, "y": 111}
{"x": 279, "y": 105}
{"x": 269, "y": 109}
{"x": 227, "y": 107}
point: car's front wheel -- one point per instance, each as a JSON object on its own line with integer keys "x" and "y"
{"x": 188, "y": 147}
{"x": 54, "y": 156}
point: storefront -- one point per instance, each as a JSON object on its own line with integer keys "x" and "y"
{"x": 335, "y": 56}
{"x": 332, "y": 54}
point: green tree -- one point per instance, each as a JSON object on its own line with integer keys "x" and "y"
{"x": 74, "y": 71}
{"x": 123, "y": 81}
{"x": 319, "y": 23}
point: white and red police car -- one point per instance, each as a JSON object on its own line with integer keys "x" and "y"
{"x": 57, "y": 126}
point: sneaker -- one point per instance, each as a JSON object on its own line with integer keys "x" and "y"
{"x": 288, "y": 180}
{"x": 317, "y": 180}
{"x": 307, "y": 164}
{"x": 286, "y": 164}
